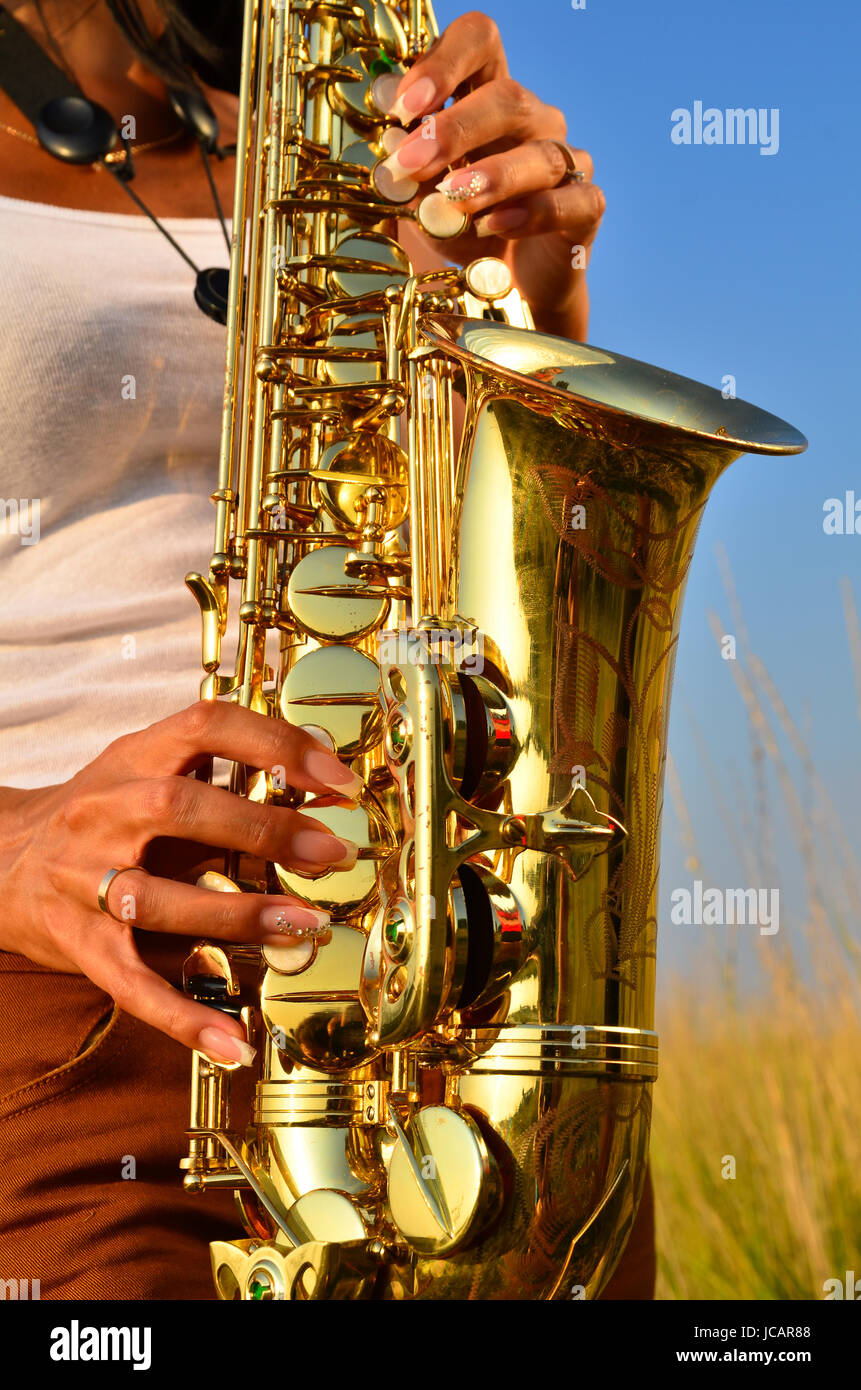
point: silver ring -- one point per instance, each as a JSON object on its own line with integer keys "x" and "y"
{"x": 572, "y": 173}
{"x": 106, "y": 883}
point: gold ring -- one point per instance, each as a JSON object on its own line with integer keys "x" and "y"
{"x": 106, "y": 883}
{"x": 572, "y": 173}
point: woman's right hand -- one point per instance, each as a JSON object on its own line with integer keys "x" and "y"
{"x": 66, "y": 837}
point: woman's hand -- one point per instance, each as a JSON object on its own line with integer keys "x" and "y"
{"x": 524, "y": 210}
{"x": 58, "y": 842}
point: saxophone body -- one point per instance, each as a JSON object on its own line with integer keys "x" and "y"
{"x": 454, "y": 1094}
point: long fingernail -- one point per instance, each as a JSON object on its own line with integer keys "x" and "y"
{"x": 326, "y": 768}
{"x": 219, "y": 1046}
{"x": 383, "y": 90}
{"x": 415, "y": 101}
{"x": 413, "y": 154}
{"x": 499, "y": 222}
{"x": 464, "y": 183}
{"x": 316, "y": 847}
{"x": 298, "y": 950}
{"x": 294, "y": 922}
{"x": 392, "y": 137}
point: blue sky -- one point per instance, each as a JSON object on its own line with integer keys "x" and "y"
{"x": 717, "y": 260}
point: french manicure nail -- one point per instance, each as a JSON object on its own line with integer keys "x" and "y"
{"x": 316, "y": 847}
{"x": 293, "y": 922}
{"x": 392, "y": 137}
{"x": 415, "y": 101}
{"x": 383, "y": 90}
{"x": 326, "y": 768}
{"x": 499, "y": 222}
{"x": 464, "y": 183}
{"x": 219, "y": 1046}
{"x": 413, "y": 154}
{"x": 299, "y": 937}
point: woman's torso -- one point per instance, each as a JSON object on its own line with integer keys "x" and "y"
{"x": 110, "y": 393}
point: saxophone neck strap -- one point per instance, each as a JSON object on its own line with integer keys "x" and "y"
{"x": 78, "y": 131}
{"x": 27, "y": 75}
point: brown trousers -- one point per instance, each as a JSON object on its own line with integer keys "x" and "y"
{"x": 93, "y": 1109}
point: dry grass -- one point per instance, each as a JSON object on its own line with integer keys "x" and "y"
{"x": 772, "y": 1076}
{"x": 776, "y": 1084}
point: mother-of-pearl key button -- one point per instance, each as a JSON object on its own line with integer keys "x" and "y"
{"x": 441, "y": 218}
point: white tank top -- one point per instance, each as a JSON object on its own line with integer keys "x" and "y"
{"x": 110, "y": 407}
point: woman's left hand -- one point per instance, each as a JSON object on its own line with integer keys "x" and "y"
{"x": 523, "y": 208}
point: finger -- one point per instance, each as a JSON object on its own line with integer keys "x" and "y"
{"x": 502, "y": 110}
{"x": 181, "y": 808}
{"x": 161, "y": 905}
{"x": 470, "y": 48}
{"x": 214, "y": 728}
{"x": 187, "y": 809}
{"x": 573, "y": 208}
{"x": 528, "y": 168}
{"x": 111, "y": 961}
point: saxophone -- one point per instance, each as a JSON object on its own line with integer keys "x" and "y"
{"x": 454, "y": 1094}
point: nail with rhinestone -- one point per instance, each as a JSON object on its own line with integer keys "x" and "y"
{"x": 296, "y": 922}
{"x": 464, "y": 184}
